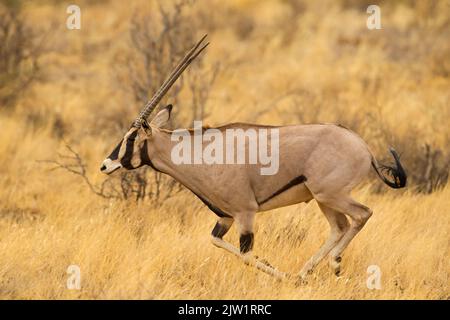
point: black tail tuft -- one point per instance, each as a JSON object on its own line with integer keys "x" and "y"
{"x": 397, "y": 173}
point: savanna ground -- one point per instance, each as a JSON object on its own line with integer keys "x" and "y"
{"x": 274, "y": 62}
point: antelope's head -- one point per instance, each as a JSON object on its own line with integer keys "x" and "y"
{"x": 132, "y": 150}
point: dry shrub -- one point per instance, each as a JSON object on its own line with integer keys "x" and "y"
{"x": 19, "y": 52}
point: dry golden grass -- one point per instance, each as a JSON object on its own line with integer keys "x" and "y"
{"x": 50, "y": 220}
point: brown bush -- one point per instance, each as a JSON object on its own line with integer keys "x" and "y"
{"x": 19, "y": 52}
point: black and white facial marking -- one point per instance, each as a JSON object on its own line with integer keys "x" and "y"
{"x": 130, "y": 153}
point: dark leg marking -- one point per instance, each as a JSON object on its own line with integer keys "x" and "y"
{"x": 213, "y": 208}
{"x": 292, "y": 183}
{"x": 246, "y": 242}
{"x": 219, "y": 230}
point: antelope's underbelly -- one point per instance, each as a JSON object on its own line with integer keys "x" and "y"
{"x": 296, "y": 194}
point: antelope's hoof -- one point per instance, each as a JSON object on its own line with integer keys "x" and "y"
{"x": 302, "y": 277}
{"x": 248, "y": 259}
{"x": 266, "y": 262}
{"x": 301, "y": 281}
{"x": 335, "y": 264}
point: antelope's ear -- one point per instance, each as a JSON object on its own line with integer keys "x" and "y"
{"x": 162, "y": 117}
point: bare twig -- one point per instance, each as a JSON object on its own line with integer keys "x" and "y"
{"x": 74, "y": 164}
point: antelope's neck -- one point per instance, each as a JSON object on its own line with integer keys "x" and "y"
{"x": 160, "y": 153}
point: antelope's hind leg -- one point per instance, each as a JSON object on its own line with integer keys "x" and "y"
{"x": 338, "y": 227}
{"x": 359, "y": 214}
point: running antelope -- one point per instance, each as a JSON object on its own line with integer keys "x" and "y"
{"x": 317, "y": 161}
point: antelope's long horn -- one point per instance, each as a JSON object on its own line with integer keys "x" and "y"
{"x": 182, "y": 65}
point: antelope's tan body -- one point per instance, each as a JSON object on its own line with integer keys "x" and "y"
{"x": 330, "y": 157}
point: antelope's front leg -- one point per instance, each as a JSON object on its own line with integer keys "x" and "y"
{"x": 220, "y": 229}
{"x": 246, "y": 238}
{"x": 246, "y": 241}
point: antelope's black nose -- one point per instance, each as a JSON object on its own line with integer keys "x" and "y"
{"x": 103, "y": 168}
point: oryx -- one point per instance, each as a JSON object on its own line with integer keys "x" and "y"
{"x": 317, "y": 161}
